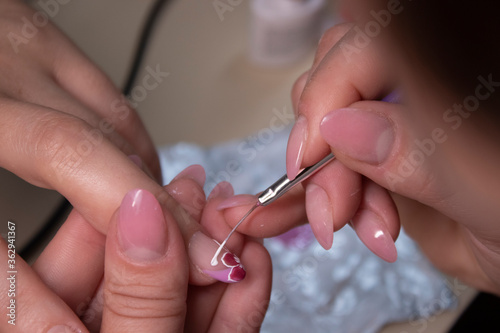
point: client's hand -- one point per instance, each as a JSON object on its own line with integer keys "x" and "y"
{"x": 136, "y": 279}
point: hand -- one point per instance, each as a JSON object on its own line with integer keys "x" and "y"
{"x": 437, "y": 166}
{"x": 66, "y": 127}
{"x": 145, "y": 283}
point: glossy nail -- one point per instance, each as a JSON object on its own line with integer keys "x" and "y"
{"x": 201, "y": 250}
{"x": 221, "y": 190}
{"x": 319, "y": 213}
{"x": 295, "y": 147}
{"x": 238, "y": 200}
{"x": 141, "y": 226}
{"x": 194, "y": 172}
{"x": 362, "y": 135}
{"x": 374, "y": 234}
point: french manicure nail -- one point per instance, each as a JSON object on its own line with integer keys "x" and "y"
{"x": 221, "y": 190}
{"x": 201, "y": 250}
{"x": 141, "y": 226}
{"x": 374, "y": 234}
{"x": 362, "y": 135}
{"x": 319, "y": 213}
{"x": 295, "y": 147}
{"x": 194, "y": 172}
{"x": 237, "y": 200}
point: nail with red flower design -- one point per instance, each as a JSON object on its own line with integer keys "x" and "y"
{"x": 228, "y": 269}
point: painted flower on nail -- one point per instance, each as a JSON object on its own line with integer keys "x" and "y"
{"x": 237, "y": 272}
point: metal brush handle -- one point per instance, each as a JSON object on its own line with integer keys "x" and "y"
{"x": 284, "y": 184}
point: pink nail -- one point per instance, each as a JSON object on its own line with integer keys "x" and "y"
{"x": 221, "y": 190}
{"x": 374, "y": 234}
{"x": 363, "y": 135}
{"x": 319, "y": 213}
{"x": 237, "y": 200}
{"x": 141, "y": 226}
{"x": 295, "y": 147}
{"x": 194, "y": 172}
{"x": 201, "y": 250}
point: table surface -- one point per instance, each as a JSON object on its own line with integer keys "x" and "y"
{"x": 211, "y": 94}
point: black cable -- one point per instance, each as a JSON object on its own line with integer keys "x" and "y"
{"x": 64, "y": 207}
{"x": 145, "y": 36}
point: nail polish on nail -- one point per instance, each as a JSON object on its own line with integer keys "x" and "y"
{"x": 221, "y": 190}
{"x": 363, "y": 135}
{"x": 319, "y": 213}
{"x": 237, "y": 200}
{"x": 136, "y": 159}
{"x": 201, "y": 250}
{"x": 194, "y": 172}
{"x": 374, "y": 234}
{"x": 142, "y": 232}
{"x": 64, "y": 329}
{"x": 295, "y": 147}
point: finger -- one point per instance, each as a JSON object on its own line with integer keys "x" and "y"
{"x": 146, "y": 271}
{"x": 74, "y": 281}
{"x": 243, "y": 306}
{"x": 81, "y": 78}
{"x": 93, "y": 175}
{"x": 377, "y": 221}
{"x": 333, "y": 195}
{"x": 434, "y": 232}
{"x": 203, "y": 302}
{"x": 340, "y": 78}
{"x": 269, "y": 221}
{"x": 329, "y": 39}
{"x": 30, "y": 305}
{"x": 297, "y": 89}
{"x": 63, "y": 153}
{"x": 187, "y": 189}
{"x": 389, "y": 150}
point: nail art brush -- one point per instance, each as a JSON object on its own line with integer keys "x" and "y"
{"x": 273, "y": 192}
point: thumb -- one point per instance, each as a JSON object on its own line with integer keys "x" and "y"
{"x": 378, "y": 141}
{"x": 146, "y": 271}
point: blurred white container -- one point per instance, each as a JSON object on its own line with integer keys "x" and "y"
{"x": 284, "y": 31}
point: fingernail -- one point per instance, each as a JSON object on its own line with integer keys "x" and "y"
{"x": 237, "y": 200}
{"x": 201, "y": 250}
{"x": 295, "y": 147}
{"x": 141, "y": 226}
{"x": 319, "y": 213}
{"x": 64, "y": 329}
{"x": 194, "y": 172}
{"x": 221, "y": 190}
{"x": 136, "y": 159}
{"x": 374, "y": 234}
{"x": 362, "y": 135}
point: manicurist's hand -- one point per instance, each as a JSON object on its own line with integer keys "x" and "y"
{"x": 437, "y": 164}
{"x": 136, "y": 279}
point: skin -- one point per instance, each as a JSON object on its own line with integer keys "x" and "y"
{"x": 66, "y": 127}
{"x": 106, "y": 291}
{"x": 448, "y": 203}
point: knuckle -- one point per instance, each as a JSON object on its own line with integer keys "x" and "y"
{"x": 60, "y": 144}
{"x": 133, "y": 298}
